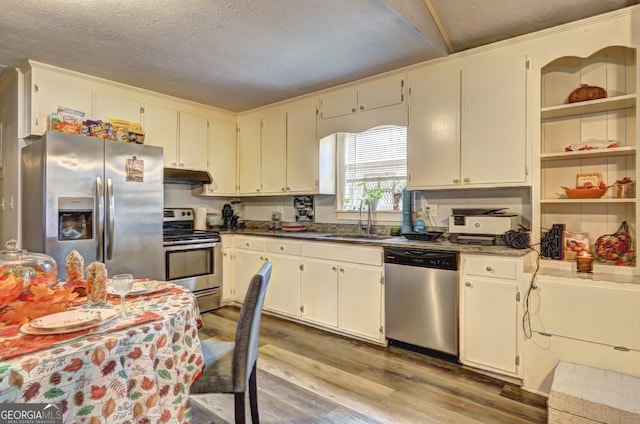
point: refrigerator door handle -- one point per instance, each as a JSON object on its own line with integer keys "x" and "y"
{"x": 111, "y": 219}
{"x": 100, "y": 207}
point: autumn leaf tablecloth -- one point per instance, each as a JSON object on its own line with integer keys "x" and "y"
{"x": 137, "y": 374}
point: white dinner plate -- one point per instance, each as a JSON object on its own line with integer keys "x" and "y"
{"x": 69, "y": 321}
{"x": 141, "y": 287}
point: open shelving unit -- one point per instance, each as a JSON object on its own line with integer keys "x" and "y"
{"x": 608, "y": 119}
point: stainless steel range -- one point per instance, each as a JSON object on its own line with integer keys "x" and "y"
{"x": 193, "y": 258}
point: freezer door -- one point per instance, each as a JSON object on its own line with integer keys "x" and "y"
{"x": 60, "y": 172}
{"x": 134, "y": 200}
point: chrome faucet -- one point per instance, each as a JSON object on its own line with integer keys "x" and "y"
{"x": 367, "y": 228}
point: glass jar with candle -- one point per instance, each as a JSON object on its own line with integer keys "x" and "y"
{"x": 584, "y": 261}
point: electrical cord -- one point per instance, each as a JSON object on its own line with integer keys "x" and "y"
{"x": 526, "y": 316}
{"x": 517, "y": 239}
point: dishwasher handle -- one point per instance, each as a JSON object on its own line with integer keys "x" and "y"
{"x": 438, "y": 259}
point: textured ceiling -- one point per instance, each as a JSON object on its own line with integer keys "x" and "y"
{"x": 241, "y": 54}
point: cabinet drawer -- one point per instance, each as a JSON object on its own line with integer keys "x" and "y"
{"x": 284, "y": 246}
{"x": 250, "y": 243}
{"x": 343, "y": 253}
{"x": 490, "y": 267}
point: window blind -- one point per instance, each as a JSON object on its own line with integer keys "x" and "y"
{"x": 374, "y": 158}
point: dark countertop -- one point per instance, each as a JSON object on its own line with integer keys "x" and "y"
{"x": 392, "y": 241}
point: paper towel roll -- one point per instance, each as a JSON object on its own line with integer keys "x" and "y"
{"x": 200, "y": 222}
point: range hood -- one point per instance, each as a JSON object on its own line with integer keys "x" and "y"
{"x": 186, "y": 176}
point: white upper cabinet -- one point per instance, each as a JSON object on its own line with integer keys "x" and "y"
{"x": 262, "y": 151}
{"x": 274, "y": 145}
{"x": 382, "y": 92}
{"x": 340, "y": 102}
{"x": 249, "y": 180}
{"x": 222, "y": 158}
{"x": 161, "y": 129}
{"x": 44, "y": 90}
{"x": 112, "y": 107}
{"x": 279, "y": 151}
{"x": 433, "y": 147}
{"x": 467, "y": 123}
{"x": 494, "y": 120}
{"x": 193, "y": 140}
{"x": 302, "y": 147}
{"x": 182, "y": 135}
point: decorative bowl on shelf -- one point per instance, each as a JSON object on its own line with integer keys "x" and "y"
{"x": 585, "y": 193}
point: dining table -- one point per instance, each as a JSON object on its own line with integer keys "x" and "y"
{"x": 134, "y": 368}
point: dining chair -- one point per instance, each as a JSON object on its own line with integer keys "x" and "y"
{"x": 231, "y": 367}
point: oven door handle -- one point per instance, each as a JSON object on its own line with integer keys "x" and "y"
{"x": 193, "y": 246}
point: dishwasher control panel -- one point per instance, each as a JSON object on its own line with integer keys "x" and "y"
{"x": 439, "y": 259}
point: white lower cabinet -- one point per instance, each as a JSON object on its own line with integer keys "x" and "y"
{"x": 360, "y": 300}
{"x": 342, "y": 288}
{"x": 343, "y": 295}
{"x": 489, "y": 311}
{"x": 490, "y": 324}
{"x": 249, "y": 256}
{"x": 334, "y": 286}
{"x": 284, "y": 292}
{"x": 320, "y": 291}
{"x": 227, "y": 267}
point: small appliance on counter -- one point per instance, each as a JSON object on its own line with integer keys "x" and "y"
{"x": 227, "y": 215}
{"x": 481, "y": 226}
{"x": 230, "y": 217}
{"x": 276, "y": 221}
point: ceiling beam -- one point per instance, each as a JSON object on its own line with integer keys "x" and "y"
{"x": 439, "y": 25}
{"x": 417, "y": 14}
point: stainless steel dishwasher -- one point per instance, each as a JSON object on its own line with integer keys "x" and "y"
{"x": 421, "y": 298}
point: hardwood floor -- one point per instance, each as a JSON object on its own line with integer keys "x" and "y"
{"x": 307, "y": 375}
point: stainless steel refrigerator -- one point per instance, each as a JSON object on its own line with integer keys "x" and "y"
{"x": 101, "y": 198}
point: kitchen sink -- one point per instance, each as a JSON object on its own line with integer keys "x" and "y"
{"x": 359, "y": 236}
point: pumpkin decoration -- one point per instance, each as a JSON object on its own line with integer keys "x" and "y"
{"x": 614, "y": 247}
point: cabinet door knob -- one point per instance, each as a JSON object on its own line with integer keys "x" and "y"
{"x": 288, "y": 188}
{"x": 341, "y": 269}
{"x": 266, "y": 259}
{"x": 455, "y": 180}
{"x": 283, "y": 189}
{"x": 467, "y": 180}
{"x": 333, "y": 268}
{"x": 281, "y": 247}
{"x": 353, "y": 110}
{"x": 468, "y": 284}
{"x": 489, "y": 268}
{"x": 361, "y": 107}
{"x": 247, "y": 244}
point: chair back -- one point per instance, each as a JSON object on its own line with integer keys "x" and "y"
{"x": 248, "y": 329}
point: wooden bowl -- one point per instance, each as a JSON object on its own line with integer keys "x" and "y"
{"x": 585, "y": 193}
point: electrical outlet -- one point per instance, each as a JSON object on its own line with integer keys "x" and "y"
{"x": 432, "y": 210}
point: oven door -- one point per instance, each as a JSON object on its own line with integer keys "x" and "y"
{"x": 197, "y": 266}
